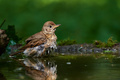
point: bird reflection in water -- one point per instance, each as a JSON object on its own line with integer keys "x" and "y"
{"x": 39, "y": 69}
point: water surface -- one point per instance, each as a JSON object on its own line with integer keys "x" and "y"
{"x": 67, "y": 67}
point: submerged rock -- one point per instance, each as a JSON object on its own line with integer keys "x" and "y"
{"x": 98, "y": 50}
{"x": 87, "y": 48}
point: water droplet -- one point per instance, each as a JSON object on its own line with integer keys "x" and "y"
{"x": 68, "y": 63}
{"x": 85, "y": 65}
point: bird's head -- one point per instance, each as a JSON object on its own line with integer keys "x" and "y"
{"x": 49, "y": 27}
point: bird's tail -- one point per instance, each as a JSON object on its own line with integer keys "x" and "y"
{"x": 12, "y": 54}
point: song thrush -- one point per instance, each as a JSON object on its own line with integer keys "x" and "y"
{"x": 37, "y": 44}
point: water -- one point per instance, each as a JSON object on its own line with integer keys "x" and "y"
{"x": 68, "y": 67}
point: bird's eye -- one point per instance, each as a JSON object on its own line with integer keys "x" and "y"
{"x": 50, "y": 26}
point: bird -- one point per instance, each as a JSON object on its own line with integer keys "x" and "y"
{"x": 37, "y": 44}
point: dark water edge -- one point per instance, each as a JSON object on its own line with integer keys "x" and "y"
{"x": 95, "y": 66}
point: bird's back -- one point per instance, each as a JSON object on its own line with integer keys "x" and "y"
{"x": 38, "y": 35}
{"x": 35, "y": 40}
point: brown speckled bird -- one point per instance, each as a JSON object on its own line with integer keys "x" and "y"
{"x": 37, "y": 44}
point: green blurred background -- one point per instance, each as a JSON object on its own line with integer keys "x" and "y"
{"x": 81, "y": 20}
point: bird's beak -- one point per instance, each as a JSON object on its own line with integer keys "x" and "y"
{"x": 56, "y": 26}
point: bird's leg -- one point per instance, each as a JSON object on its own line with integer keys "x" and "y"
{"x": 44, "y": 50}
{"x": 53, "y": 47}
{"x": 48, "y": 51}
{"x": 40, "y": 54}
{"x": 32, "y": 53}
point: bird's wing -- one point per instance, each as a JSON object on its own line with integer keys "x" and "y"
{"x": 35, "y": 36}
{"x": 34, "y": 42}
